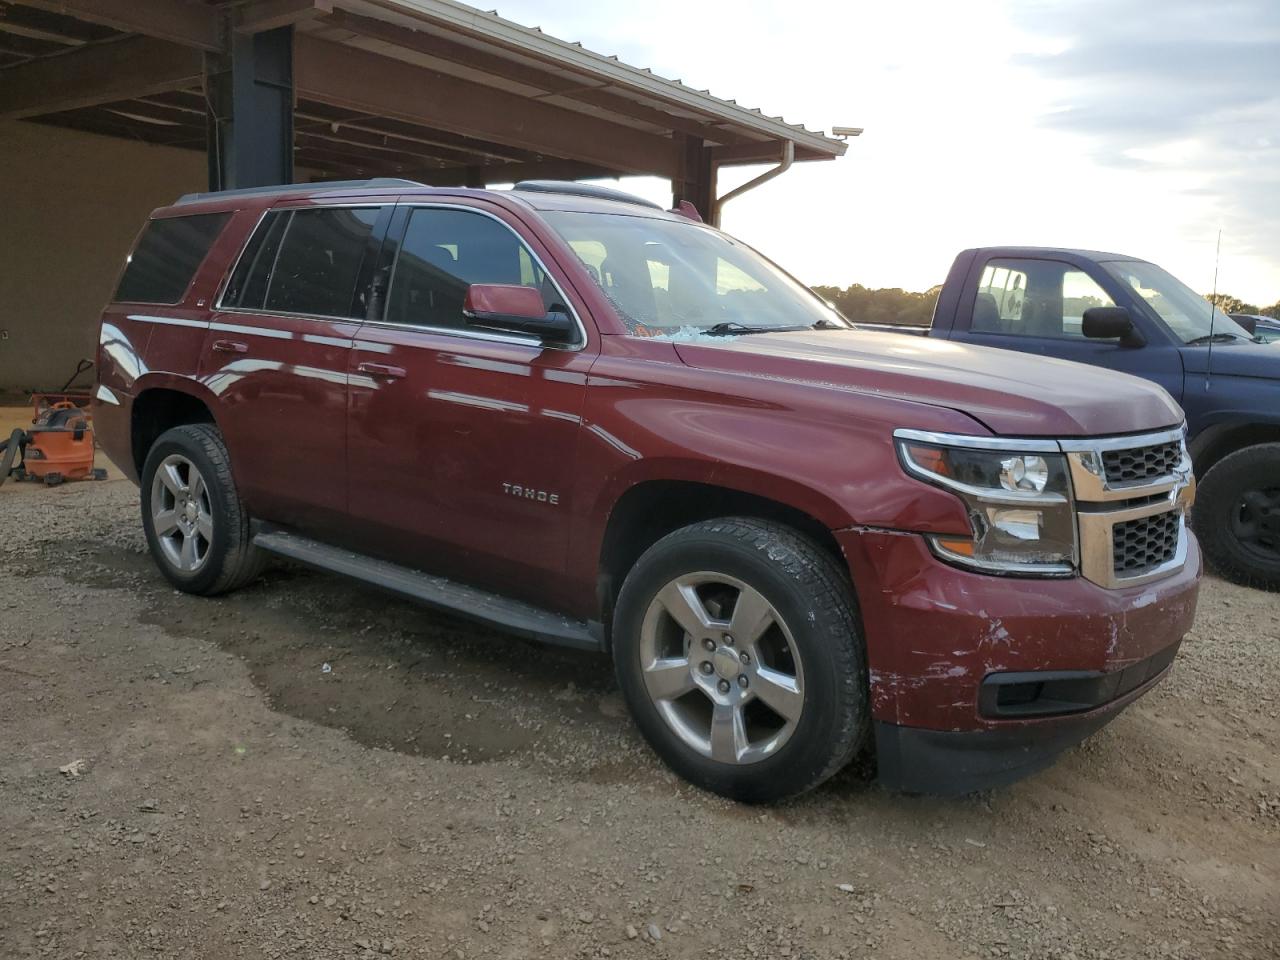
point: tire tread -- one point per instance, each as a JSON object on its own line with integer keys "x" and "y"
{"x": 1210, "y": 516}
{"x": 834, "y": 604}
{"x": 241, "y": 562}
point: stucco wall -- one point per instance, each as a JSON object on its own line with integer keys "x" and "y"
{"x": 70, "y": 205}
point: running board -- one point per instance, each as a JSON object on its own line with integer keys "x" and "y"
{"x": 470, "y": 602}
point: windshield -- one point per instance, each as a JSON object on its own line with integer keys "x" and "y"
{"x": 1185, "y": 311}
{"x": 676, "y": 279}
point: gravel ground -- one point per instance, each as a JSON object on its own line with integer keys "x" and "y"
{"x": 185, "y": 777}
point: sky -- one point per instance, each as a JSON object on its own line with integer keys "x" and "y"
{"x": 1137, "y": 126}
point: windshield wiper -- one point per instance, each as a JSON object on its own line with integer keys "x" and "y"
{"x": 1214, "y": 338}
{"x": 731, "y": 328}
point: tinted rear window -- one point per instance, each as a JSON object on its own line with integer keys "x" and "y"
{"x": 304, "y": 261}
{"x": 166, "y": 257}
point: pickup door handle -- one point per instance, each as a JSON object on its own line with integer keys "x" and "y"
{"x": 383, "y": 371}
{"x": 230, "y": 346}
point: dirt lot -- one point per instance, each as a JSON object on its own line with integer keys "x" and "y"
{"x": 443, "y": 791}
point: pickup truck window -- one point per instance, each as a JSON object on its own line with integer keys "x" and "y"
{"x": 1034, "y": 298}
{"x": 674, "y": 278}
{"x": 1184, "y": 311}
{"x": 443, "y": 253}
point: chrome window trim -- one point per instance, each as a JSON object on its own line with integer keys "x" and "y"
{"x": 237, "y": 311}
{"x": 529, "y": 340}
{"x": 480, "y": 334}
{"x": 168, "y": 321}
{"x": 1010, "y": 444}
{"x": 271, "y": 332}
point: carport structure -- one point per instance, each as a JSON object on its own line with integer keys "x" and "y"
{"x": 433, "y": 90}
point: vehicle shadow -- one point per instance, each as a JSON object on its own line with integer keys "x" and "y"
{"x": 395, "y": 675}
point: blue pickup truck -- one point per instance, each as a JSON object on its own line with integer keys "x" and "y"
{"x": 1130, "y": 315}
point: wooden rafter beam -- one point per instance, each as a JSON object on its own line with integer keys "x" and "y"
{"x": 372, "y": 156}
{"x": 357, "y": 79}
{"x": 189, "y": 24}
{"x": 312, "y": 111}
{"x": 270, "y": 14}
{"x": 95, "y": 74}
{"x": 766, "y": 151}
{"x": 515, "y": 172}
{"x": 36, "y": 33}
{"x": 356, "y": 136}
{"x": 108, "y": 125}
{"x": 585, "y": 90}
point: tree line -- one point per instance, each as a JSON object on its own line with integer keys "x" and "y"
{"x": 1229, "y": 304}
{"x": 893, "y": 305}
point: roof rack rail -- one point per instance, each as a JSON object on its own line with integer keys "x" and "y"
{"x": 574, "y": 189}
{"x": 373, "y": 183}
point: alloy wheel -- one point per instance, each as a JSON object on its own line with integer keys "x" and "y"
{"x": 722, "y": 667}
{"x": 181, "y": 513}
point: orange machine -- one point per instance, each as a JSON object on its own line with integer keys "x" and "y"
{"x": 58, "y": 446}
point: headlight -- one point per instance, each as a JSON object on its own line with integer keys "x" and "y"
{"x": 1018, "y": 502}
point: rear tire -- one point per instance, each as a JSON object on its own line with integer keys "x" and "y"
{"x": 1237, "y": 516}
{"x": 784, "y": 704}
{"x": 196, "y": 525}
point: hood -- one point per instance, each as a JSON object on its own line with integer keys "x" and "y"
{"x": 1241, "y": 359}
{"x": 1013, "y": 394}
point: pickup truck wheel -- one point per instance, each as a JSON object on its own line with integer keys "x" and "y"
{"x": 196, "y": 525}
{"x": 737, "y": 647}
{"x": 1237, "y": 516}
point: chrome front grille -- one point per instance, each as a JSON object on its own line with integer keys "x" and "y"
{"x": 1132, "y": 495}
{"x": 1135, "y": 464}
{"x": 1140, "y": 546}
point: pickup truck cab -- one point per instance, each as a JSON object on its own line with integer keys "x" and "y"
{"x": 1126, "y": 314}
{"x": 582, "y": 419}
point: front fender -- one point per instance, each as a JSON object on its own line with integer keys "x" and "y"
{"x": 824, "y": 452}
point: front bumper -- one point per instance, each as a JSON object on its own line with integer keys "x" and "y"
{"x": 940, "y": 640}
{"x": 952, "y": 763}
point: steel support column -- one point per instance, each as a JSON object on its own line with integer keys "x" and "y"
{"x": 697, "y": 180}
{"x": 250, "y": 122}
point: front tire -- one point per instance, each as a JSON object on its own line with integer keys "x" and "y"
{"x": 737, "y": 647}
{"x": 196, "y": 525}
{"x": 1237, "y": 516}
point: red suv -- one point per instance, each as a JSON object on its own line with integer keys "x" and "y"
{"x": 568, "y": 413}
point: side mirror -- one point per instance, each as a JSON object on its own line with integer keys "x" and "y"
{"x": 1111, "y": 323}
{"x": 515, "y": 309}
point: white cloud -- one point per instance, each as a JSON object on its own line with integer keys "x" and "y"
{"x": 1129, "y": 125}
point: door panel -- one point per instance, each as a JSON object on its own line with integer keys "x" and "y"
{"x": 281, "y": 384}
{"x": 278, "y": 353}
{"x": 1036, "y": 306}
{"x": 461, "y": 441}
{"x": 464, "y": 464}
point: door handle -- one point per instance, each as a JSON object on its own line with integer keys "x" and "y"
{"x": 382, "y": 371}
{"x": 230, "y": 346}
